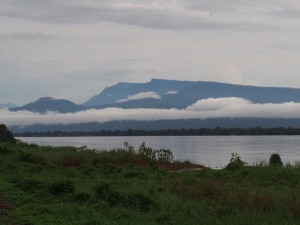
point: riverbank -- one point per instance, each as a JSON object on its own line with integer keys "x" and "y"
{"x": 46, "y": 185}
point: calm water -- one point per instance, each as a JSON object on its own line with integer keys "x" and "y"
{"x": 213, "y": 151}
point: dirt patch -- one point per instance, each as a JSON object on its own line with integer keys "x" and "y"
{"x": 5, "y": 204}
{"x": 5, "y": 208}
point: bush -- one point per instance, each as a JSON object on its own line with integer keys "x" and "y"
{"x": 4, "y": 150}
{"x": 109, "y": 169}
{"x": 133, "y": 200}
{"x": 146, "y": 152}
{"x": 6, "y": 135}
{"x": 235, "y": 162}
{"x": 275, "y": 160}
{"x": 106, "y": 193}
{"x": 30, "y": 158}
{"x": 162, "y": 155}
{"x": 139, "y": 201}
{"x": 30, "y": 185}
{"x": 81, "y": 197}
{"x": 61, "y": 187}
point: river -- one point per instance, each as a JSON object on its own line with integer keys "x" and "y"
{"x": 212, "y": 151}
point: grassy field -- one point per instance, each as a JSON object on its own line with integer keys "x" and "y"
{"x": 45, "y": 185}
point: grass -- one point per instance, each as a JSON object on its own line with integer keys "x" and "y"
{"x": 45, "y": 185}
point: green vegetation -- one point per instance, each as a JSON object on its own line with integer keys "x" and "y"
{"x": 45, "y": 185}
{"x": 235, "y": 162}
{"x": 6, "y": 135}
{"x": 275, "y": 160}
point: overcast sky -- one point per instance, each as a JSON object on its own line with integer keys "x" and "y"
{"x": 72, "y": 49}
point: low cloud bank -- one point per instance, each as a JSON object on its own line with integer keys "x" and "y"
{"x": 206, "y": 108}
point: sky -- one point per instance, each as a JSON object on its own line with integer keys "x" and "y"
{"x": 73, "y": 49}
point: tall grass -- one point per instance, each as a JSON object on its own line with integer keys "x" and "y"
{"x": 62, "y": 186}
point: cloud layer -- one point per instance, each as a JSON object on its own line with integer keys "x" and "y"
{"x": 177, "y": 14}
{"x": 207, "y": 108}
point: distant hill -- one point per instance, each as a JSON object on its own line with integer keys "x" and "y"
{"x": 164, "y": 94}
{"x": 160, "y": 93}
{"x": 111, "y": 95}
{"x": 167, "y": 94}
{"x": 45, "y": 104}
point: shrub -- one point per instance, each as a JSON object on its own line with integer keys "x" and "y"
{"x": 275, "y": 160}
{"x": 108, "y": 194}
{"x": 146, "y": 152}
{"x": 4, "y": 150}
{"x": 70, "y": 160}
{"x": 30, "y": 158}
{"x": 61, "y": 187}
{"x": 133, "y": 200}
{"x": 25, "y": 157}
{"x": 30, "y": 185}
{"x": 235, "y": 162}
{"x": 6, "y": 135}
{"x": 109, "y": 169}
{"x": 164, "y": 155}
{"x": 81, "y": 197}
{"x": 139, "y": 201}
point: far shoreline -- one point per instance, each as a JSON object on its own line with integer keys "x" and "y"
{"x": 218, "y": 131}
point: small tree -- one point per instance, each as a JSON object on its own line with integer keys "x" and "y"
{"x": 235, "y": 162}
{"x": 275, "y": 160}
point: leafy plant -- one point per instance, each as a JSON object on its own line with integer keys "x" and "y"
{"x": 146, "y": 152}
{"x": 162, "y": 155}
{"x": 235, "y": 162}
{"x": 128, "y": 147}
{"x": 275, "y": 160}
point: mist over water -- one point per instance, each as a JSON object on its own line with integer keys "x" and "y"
{"x": 212, "y": 151}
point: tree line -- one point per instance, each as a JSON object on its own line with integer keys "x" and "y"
{"x": 218, "y": 131}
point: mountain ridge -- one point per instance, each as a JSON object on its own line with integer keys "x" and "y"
{"x": 164, "y": 94}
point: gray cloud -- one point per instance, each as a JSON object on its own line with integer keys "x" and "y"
{"x": 289, "y": 13}
{"x": 207, "y": 108}
{"x": 152, "y": 14}
{"x": 26, "y": 36}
